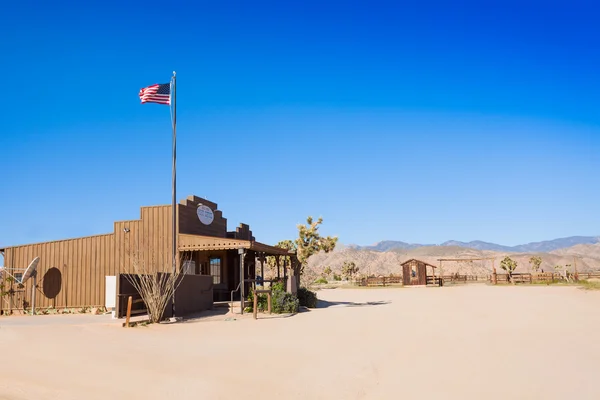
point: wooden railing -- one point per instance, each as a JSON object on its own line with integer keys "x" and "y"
{"x": 434, "y": 280}
{"x": 588, "y": 275}
{"x": 529, "y": 278}
{"x": 545, "y": 277}
{"x": 462, "y": 278}
{"x": 380, "y": 281}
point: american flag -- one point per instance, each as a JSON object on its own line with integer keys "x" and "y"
{"x": 158, "y": 93}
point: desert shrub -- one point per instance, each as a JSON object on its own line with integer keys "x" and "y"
{"x": 321, "y": 281}
{"x": 262, "y": 301}
{"x": 282, "y": 302}
{"x": 336, "y": 277}
{"x": 278, "y": 286}
{"x": 285, "y": 302}
{"x": 307, "y": 298}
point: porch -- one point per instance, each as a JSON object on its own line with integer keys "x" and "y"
{"x": 226, "y": 259}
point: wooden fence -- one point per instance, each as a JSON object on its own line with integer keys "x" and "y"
{"x": 545, "y": 277}
{"x": 380, "y": 281}
{"x": 434, "y": 280}
{"x": 588, "y": 275}
{"x": 461, "y": 278}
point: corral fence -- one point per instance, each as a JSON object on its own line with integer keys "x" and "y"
{"x": 379, "y": 281}
{"x": 457, "y": 278}
{"x": 529, "y": 278}
{"x": 588, "y": 275}
{"x": 545, "y": 277}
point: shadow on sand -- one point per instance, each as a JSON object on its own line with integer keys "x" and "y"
{"x": 326, "y": 304}
{"x": 223, "y": 314}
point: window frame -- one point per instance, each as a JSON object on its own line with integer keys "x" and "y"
{"x": 218, "y": 277}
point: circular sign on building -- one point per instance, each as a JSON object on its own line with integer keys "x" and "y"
{"x": 205, "y": 214}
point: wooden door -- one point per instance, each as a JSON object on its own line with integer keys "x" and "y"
{"x": 406, "y": 275}
{"x": 422, "y": 274}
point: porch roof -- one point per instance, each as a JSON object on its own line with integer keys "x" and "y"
{"x": 202, "y": 243}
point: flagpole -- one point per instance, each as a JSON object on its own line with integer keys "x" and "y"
{"x": 174, "y": 185}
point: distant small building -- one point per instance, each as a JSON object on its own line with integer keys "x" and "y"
{"x": 414, "y": 272}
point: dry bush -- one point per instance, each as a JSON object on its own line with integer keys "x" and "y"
{"x": 153, "y": 283}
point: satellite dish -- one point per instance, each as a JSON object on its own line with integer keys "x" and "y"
{"x": 30, "y": 270}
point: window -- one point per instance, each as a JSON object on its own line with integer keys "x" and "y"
{"x": 18, "y": 277}
{"x": 215, "y": 270}
{"x": 189, "y": 267}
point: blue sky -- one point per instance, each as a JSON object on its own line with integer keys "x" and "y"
{"x": 419, "y": 122}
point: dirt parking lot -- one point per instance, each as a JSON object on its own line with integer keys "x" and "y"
{"x": 464, "y": 342}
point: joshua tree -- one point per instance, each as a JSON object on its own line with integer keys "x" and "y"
{"x": 349, "y": 269}
{"x": 535, "y": 262}
{"x": 310, "y": 242}
{"x": 509, "y": 265}
{"x": 272, "y": 261}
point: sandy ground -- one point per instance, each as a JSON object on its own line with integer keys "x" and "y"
{"x": 469, "y": 342}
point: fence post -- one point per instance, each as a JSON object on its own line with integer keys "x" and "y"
{"x": 255, "y": 308}
{"x": 270, "y": 301}
{"x": 128, "y": 315}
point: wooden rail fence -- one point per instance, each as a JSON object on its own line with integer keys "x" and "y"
{"x": 529, "y": 278}
{"x": 380, "y": 281}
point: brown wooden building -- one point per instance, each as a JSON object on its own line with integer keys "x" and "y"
{"x": 414, "y": 272}
{"x": 73, "y": 272}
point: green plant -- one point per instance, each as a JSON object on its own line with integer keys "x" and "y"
{"x": 349, "y": 269}
{"x": 535, "y": 262}
{"x": 336, "y": 277}
{"x": 321, "y": 281}
{"x": 307, "y": 298}
{"x": 277, "y": 286}
{"x": 272, "y": 260}
{"x": 310, "y": 242}
{"x": 262, "y": 301}
{"x": 509, "y": 265}
{"x": 284, "y": 302}
{"x": 590, "y": 285}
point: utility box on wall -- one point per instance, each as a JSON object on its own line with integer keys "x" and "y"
{"x": 110, "y": 295}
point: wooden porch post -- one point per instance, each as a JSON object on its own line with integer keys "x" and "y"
{"x": 262, "y": 266}
{"x": 277, "y": 262}
{"x": 285, "y": 267}
{"x": 242, "y": 283}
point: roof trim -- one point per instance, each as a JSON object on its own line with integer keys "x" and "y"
{"x": 421, "y": 261}
{"x": 57, "y": 241}
{"x": 187, "y": 242}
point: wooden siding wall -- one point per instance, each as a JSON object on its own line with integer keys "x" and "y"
{"x": 242, "y": 232}
{"x": 190, "y": 224}
{"x": 83, "y": 264}
{"x": 149, "y": 239}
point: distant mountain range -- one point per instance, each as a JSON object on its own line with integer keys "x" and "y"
{"x": 385, "y": 258}
{"x": 534, "y": 247}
